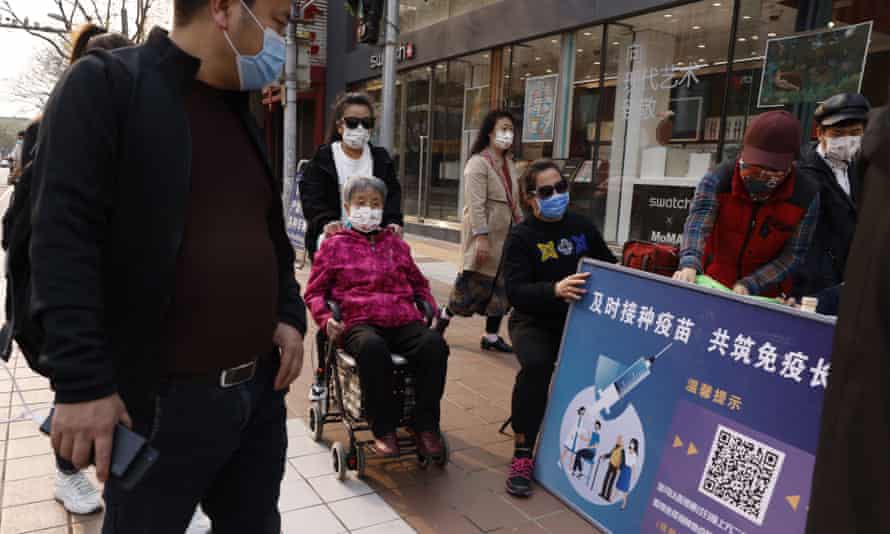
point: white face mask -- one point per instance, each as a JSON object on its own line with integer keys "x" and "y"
{"x": 504, "y": 139}
{"x": 356, "y": 138}
{"x": 365, "y": 219}
{"x": 843, "y": 148}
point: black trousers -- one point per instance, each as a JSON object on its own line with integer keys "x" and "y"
{"x": 223, "y": 448}
{"x": 427, "y": 353}
{"x": 609, "y": 482}
{"x": 536, "y": 348}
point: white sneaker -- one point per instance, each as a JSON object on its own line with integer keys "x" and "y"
{"x": 77, "y": 494}
{"x": 200, "y": 523}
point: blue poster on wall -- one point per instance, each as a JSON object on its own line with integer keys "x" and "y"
{"x": 677, "y": 409}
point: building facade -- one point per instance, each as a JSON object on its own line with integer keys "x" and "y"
{"x": 636, "y": 99}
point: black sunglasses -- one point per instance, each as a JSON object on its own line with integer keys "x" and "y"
{"x": 547, "y": 191}
{"x": 353, "y": 122}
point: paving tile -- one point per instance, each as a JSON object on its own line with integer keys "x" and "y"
{"x": 313, "y": 465}
{"x": 540, "y": 504}
{"x": 296, "y": 427}
{"x": 440, "y": 522}
{"x": 303, "y": 446}
{"x": 317, "y": 520}
{"x": 32, "y": 446}
{"x": 28, "y": 491}
{"x": 54, "y": 530}
{"x": 392, "y": 527}
{"x": 296, "y": 492}
{"x": 478, "y": 436}
{"x": 364, "y": 511}
{"x": 489, "y": 511}
{"x": 23, "y": 429}
{"x": 30, "y": 467}
{"x": 31, "y": 384}
{"x": 31, "y": 517}
{"x": 330, "y": 489}
{"x": 526, "y": 528}
{"x": 567, "y": 522}
{"x": 476, "y": 459}
{"x": 94, "y": 526}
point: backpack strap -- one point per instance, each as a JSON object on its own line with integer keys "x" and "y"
{"x": 122, "y": 69}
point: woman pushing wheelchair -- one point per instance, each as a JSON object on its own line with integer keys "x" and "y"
{"x": 369, "y": 272}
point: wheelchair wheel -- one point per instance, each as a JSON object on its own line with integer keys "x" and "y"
{"x": 315, "y": 422}
{"x": 360, "y": 461}
{"x": 443, "y": 458}
{"x": 339, "y": 459}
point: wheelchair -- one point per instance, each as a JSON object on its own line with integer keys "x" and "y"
{"x": 342, "y": 403}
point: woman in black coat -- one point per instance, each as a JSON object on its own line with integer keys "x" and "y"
{"x": 348, "y": 153}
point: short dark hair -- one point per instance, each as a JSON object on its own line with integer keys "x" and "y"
{"x": 488, "y": 123}
{"x": 346, "y": 100}
{"x": 185, "y": 9}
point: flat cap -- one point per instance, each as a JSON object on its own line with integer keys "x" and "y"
{"x": 843, "y": 107}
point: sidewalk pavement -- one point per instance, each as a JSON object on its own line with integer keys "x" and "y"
{"x": 395, "y": 497}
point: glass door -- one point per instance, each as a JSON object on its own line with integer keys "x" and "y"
{"x": 415, "y": 161}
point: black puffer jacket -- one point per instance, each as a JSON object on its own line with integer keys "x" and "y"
{"x": 320, "y": 192}
{"x": 827, "y": 257}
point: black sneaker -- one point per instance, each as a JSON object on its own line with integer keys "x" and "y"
{"x": 496, "y": 346}
{"x": 441, "y": 323}
{"x": 519, "y": 481}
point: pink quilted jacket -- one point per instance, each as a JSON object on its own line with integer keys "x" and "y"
{"x": 374, "y": 282}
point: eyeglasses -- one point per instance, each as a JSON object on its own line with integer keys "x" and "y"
{"x": 547, "y": 191}
{"x": 353, "y": 122}
{"x": 757, "y": 172}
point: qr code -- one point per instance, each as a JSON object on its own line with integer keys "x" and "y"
{"x": 741, "y": 474}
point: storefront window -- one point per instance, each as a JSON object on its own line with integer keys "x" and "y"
{"x": 670, "y": 79}
{"x": 534, "y": 67}
{"x": 591, "y": 102}
{"x": 443, "y": 105}
{"x": 759, "y": 21}
{"x": 877, "y": 65}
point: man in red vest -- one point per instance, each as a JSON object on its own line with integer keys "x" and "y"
{"x": 752, "y": 219}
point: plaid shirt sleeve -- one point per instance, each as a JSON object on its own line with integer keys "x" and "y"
{"x": 700, "y": 222}
{"x": 792, "y": 256}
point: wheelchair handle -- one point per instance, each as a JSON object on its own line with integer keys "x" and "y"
{"x": 428, "y": 312}
{"x": 335, "y": 311}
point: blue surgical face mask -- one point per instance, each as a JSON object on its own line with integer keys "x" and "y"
{"x": 555, "y": 206}
{"x": 256, "y": 72}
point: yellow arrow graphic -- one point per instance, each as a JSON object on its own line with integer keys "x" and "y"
{"x": 794, "y": 501}
{"x": 677, "y": 442}
{"x": 691, "y": 450}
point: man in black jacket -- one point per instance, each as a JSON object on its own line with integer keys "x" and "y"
{"x": 841, "y": 122}
{"x": 162, "y": 274}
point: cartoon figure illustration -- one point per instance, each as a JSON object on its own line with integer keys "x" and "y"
{"x": 587, "y": 454}
{"x": 570, "y": 446}
{"x": 616, "y": 460}
{"x": 630, "y": 461}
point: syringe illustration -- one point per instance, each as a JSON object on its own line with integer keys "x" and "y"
{"x": 626, "y": 382}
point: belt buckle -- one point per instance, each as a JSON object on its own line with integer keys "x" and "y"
{"x": 235, "y": 376}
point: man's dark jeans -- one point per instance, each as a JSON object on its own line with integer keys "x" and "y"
{"x": 223, "y": 448}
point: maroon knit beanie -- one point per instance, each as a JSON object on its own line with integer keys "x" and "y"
{"x": 772, "y": 140}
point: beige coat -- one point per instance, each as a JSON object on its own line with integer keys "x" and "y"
{"x": 486, "y": 209}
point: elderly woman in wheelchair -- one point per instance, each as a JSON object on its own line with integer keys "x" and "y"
{"x": 370, "y": 274}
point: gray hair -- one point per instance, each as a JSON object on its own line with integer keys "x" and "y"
{"x": 357, "y": 184}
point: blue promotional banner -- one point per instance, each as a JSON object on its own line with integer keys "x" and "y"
{"x": 294, "y": 220}
{"x": 679, "y": 409}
